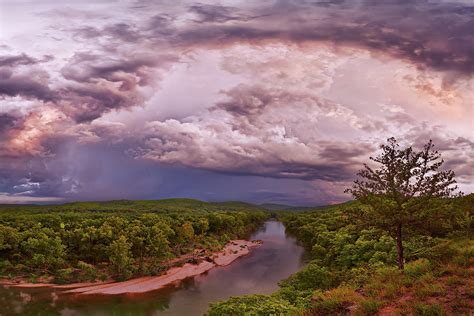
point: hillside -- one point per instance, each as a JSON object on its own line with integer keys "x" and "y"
{"x": 353, "y": 268}
{"x": 166, "y": 205}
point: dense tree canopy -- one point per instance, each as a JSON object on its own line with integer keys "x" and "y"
{"x": 88, "y": 241}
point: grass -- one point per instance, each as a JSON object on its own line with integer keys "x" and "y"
{"x": 425, "y": 288}
{"x": 368, "y": 307}
{"x": 424, "y": 309}
{"x": 335, "y": 301}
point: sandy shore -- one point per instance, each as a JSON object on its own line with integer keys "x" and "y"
{"x": 233, "y": 250}
{"x": 52, "y": 285}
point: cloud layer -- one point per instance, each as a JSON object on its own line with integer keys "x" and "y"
{"x": 286, "y": 99}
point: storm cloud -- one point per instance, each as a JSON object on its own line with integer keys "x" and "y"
{"x": 285, "y": 99}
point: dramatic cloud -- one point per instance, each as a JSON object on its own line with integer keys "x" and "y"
{"x": 268, "y": 101}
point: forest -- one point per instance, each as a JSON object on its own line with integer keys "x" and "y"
{"x": 353, "y": 266}
{"x": 88, "y": 241}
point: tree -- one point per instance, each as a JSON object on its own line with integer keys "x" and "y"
{"x": 43, "y": 250}
{"x": 120, "y": 256}
{"x": 157, "y": 243}
{"x": 402, "y": 191}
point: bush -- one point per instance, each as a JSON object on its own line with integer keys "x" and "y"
{"x": 5, "y": 265}
{"x": 252, "y": 305}
{"x": 298, "y": 288}
{"x": 313, "y": 276}
{"x": 368, "y": 307}
{"x": 64, "y": 276}
{"x": 418, "y": 267}
{"x": 386, "y": 283}
{"x": 89, "y": 272}
{"x": 335, "y": 301}
{"x": 424, "y": 289}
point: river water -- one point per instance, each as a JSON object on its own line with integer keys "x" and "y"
{"x": 259, "y": 272}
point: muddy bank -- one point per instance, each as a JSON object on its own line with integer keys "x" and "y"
{"x": 233, "y": 250}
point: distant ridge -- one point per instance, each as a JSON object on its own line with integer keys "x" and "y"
{"x": 284, "y": 207}
{"x": 176, "y": 204}
{"x": 275, "y": 206}
{"x": 172, "y": 204}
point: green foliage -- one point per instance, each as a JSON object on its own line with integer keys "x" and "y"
{"x": 9, "y": 238}
{"x": 418, "y": 267}
{"x": 368, "y": 307}
{"x": 42, "y": 250}
{"x": 83, "y": 241}
{"x": 404, "y": 190}
{"x": 298, "y": 288}
{"x": 88, "y": 271}
{"x": 346, "y": 253}
{"x": 424, "y": 309}
{"x": 334, "y": 302}
{"x": 120, "y": 257}
{"x": 252, "y": 305}
{"x": 427, "y": 287}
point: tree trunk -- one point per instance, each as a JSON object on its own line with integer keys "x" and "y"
{"x": 400, "y": 247}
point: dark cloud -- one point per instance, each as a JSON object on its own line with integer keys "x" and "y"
{"x": 8, "y": 122}
{"x": 86, "y": 103}
{"x": 256, "y": 149}
{"x": 86, "y": 67}
{"x": 246, "y": 101}
{"x": 28, "y": 86}
{"x": 434, "y": 35}
{"x": 87, "y": 32}
{"x": 457, "y": 152}
{"x": 22, "y": 59}
{"x": 208, "y": 13}
{"x": 341, "y": 151}
{"x": 123, "y": 31}
{"x": 16, "y": 60}
{"x": 29, "y": 83}
{"x": 160, "y": 25}
{"x": 101, "y": 84}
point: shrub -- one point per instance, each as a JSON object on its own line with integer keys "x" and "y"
{"x": 298, "y": 288}
{"x": 368, "y": 307}
{"x": 386, "y": 283}
{"x": 424, "y": 289}
{"x": 89, "y": 272}
{"x": 312, "y": 276}
{"x": 5, "y": 265}
{"x": 64, "y": 275}
{"x": 418, "y": 267}
{"x": 335, "y": 301}
{"x": 252, "y": 305}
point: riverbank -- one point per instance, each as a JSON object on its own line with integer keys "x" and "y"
{"x": 231, "y": 251}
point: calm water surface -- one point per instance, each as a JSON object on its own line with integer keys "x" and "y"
{"x": 259, "y": 272}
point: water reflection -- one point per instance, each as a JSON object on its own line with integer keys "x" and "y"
{"x": 259, "y": 272}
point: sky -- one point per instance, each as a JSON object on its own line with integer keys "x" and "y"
{"x": 266, "y": 101}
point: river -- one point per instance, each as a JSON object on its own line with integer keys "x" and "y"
{"x": 259, "y": 272}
